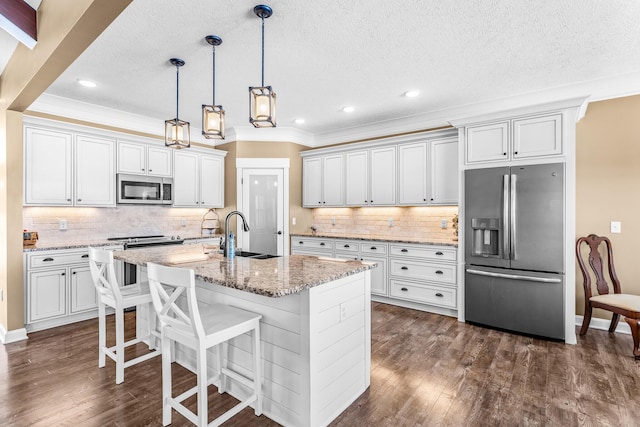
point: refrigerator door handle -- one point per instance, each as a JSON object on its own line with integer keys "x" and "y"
{"x": 512, "y": 223}
{"x": 513, "y": 276}
{"x": 505, "y": 217}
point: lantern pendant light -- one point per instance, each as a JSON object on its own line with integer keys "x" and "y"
{"x": 262, "y": 100}
{"x": 177, "y": 132}
{"x": 213, "y": 115}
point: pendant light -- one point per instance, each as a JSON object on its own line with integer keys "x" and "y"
{"x": 213, "y": 115}
{"x": 176, "y": 131}
{"x": 262, "y": 100}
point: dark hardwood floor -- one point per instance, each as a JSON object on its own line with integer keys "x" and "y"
{"x": 427, "y": 370}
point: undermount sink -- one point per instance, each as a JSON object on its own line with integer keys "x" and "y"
{"x": 255, "y": 255}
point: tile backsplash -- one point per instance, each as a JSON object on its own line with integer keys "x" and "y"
{"x": 421, "y": 222}
{"x": 91, "y": 224}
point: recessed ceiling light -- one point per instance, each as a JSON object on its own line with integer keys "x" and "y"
{"x": 412, "y": 93}
{"x": 299, "y": 121}
{"x": 86, "y": 83}
{"x": 348, "y": 109}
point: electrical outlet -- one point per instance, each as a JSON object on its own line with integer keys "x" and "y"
{"x": 183, "y": 222}
{"x": 333, "y": 220}
{"x": 616, "y": 227}
{"x": 443, "y": 224}
{"x": 293, "y": 221}
{"x": 63, "y": 224}
{"x": 390, "y": 222}
{"x": 343, "y": 312}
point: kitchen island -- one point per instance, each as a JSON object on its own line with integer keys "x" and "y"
{"x": 315, "y": 328}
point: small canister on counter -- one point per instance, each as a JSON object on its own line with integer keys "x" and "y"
{"x": 29, "y": 239}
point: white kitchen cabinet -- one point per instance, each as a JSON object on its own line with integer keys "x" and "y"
{"x": 61, "y": 171}
{"x": 48, "y": 167}
{"x": 412, "y": 174}
{"x": 371, "y": 177}
{"x": 47, "y": 294}
{"x": 94, "y": 171}
{"x": 83, "y": 292}
{"x": 357, "y": 178}
{"x": 198, "y": 180}
{"x": 319, "y": 246}
{"x": 323, "y": 181}
{"x": 443, "y": 171}
{"x": 526, "y": 137}
{"x": 143, "y": 159}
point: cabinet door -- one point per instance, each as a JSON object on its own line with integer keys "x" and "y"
{"x": 83, "y": 292}
{"x": 333, "y": 180}
{"x": 356, "y": 178}
{"x": 185, "y": 179}
{"x": 487, "y": 143}
{"x": 412, "y": 174}
{"x": 379, "y": 279}
{"x": 211, "y": 182}
{"x": 48, "y": 167}
{"x": 159, "y": 161}
{"x": 537, "y": 136}
{"x": 46, "y": 297}
{"x": 443, "y": 171}
{"x": 383, "y": 176}
{"x": 95, "y": 178}
{"x": 132, "y": 158}
{"x": 312, "y": 182}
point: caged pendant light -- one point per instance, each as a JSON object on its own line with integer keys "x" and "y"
{"x": 177, "y": 132}
{"x": 262, "y": 100}
{"x": 213, "y": 115}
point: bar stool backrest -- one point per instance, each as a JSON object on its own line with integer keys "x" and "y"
{"x": 103, "y": 274}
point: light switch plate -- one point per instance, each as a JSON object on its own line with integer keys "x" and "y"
{"x": 616, "y": 227}
{"x": 443, "y": 224}
{"x": 63, "y": 224}
{"x": 390, "y": 222}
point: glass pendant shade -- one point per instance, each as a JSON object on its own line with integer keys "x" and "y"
{"x": 177, "y": 133}
{"x": 213, "y": 121}
{"x": 262, "y": 104}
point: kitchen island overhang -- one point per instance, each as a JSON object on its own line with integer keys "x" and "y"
{"x": 315, "y": 330}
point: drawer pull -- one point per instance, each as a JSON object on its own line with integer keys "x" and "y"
{"x": 47, "y": 260}
{"x": 439, "y": 253}
{"x": 301, "y": 242}
{"x": 373, "y": 248}
{"x": 404, "y": 267}
{"x": 73, "y": 273}
{"x": 404, "y": 250}
{"x": 62, "y": 274}
{"x": 347, "y": 246}
{"x": 85, "y": 256}
{"x": 404, "y": 289}
{"x": 439, "y": 272}
{"x": 321, "y": 243}
{"x": 439, "y": 295}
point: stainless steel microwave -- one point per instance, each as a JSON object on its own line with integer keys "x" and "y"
{"x": 144, "y": 190}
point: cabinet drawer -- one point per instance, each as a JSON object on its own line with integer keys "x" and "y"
{"x": 311, "y": 243}
{"x": 431, "y": 294}
{"x": 374, "y": 248}
{"x": 57, "y": 259}
{"x": 346, "y": 246}
{"x": 425, "y": 252}
{"x": 443, "y": 273}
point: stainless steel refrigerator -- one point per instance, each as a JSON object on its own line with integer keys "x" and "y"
{"x": 514, "y": 248}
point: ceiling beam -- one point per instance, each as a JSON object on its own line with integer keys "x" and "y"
{"x": 19, "y": 20}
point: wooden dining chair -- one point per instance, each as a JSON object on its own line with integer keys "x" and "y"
{"x": 627, "y": 305}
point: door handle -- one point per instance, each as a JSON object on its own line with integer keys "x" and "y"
{"x": 404, "y": 268}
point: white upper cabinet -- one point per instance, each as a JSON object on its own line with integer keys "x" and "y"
{"x": 323, "y": 181}
{"x": 357, "y": 178}
{"x": 198, "y": 180}
{"x": 94, "y": 171}
{"x": 142, "y": 159}
{"x": 518, "y": 138}
{"x": 383, "y": 176}
{"x": 443, "y": 171}
{"x": 412, "y": 174}
{"x": 48, "y": 167}
{"x": 62, "y": 172}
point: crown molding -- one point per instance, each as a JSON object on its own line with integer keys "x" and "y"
{"x": 279, "y": 134}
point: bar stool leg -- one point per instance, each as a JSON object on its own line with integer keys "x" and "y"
{"x": 119, "y": 346}
{"x": 102, "y": 334}
{"x": 202, "y": 386}
{"x": 166, "y": 380}
{"x": 222, "y": 350}
{"x": 257, "y": 369}
{"x": 151, "y": 324}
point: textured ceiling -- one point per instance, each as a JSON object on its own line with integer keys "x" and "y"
{"x": 321, "y": 56}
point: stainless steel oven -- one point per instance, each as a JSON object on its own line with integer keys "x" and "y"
{"x": 146, "y": 190}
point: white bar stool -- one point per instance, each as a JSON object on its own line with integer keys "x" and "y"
{"x": 112, "y": 295}
{"x": 201, "y": 326}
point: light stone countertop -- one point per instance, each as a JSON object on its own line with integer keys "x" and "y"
{"x": 99, "y": 243}
{"x": 274, "y": 277}
{"x": 376, "y": 237}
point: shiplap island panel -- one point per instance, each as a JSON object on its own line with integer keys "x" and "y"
{"x": 315, "y": 328}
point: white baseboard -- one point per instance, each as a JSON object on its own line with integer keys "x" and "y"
{"x": 603, "y": 324}
{"x": 7, "y": 337}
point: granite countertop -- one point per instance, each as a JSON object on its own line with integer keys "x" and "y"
{"x": 98, "y": 243}
{"x": 274, "y": 277}
{"x": 375, "y": 237}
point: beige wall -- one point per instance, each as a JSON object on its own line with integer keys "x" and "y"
{"x": 608, "y": 185}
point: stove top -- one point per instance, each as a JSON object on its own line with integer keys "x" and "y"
{"x": 144, "y": 241}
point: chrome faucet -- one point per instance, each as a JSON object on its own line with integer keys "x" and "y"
{"x": 245, "y": 227}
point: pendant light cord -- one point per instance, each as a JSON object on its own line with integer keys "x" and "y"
{"x": 213, "y": 101}
{"x": 262, "y": 51}
{"x": 177, "y": 89}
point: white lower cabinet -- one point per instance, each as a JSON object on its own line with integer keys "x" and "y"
{"x": 58, "y": 288}
{"x": 418, "y": 276}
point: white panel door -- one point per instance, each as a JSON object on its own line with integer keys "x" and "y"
{"x": 211, "y": 182}
{"x": 83, "y": 292}
{"x": 412, "y": 174}
{"x": 357, "y": 178}
{"x": 47, "y": 294}
{"x": 48, "y": 167}
{"x": 263, "y": 207}
{"x": 333, "y": 180}
{"x": 312, "y": 182}
{"x": 185, "y": 179}
{"x": 95, "y": 177}
{"x": 159, "y": 161}
{"x": 383, "y": 176}
{"x": 443, "y": 171}
{"x": 132, "y": 158}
